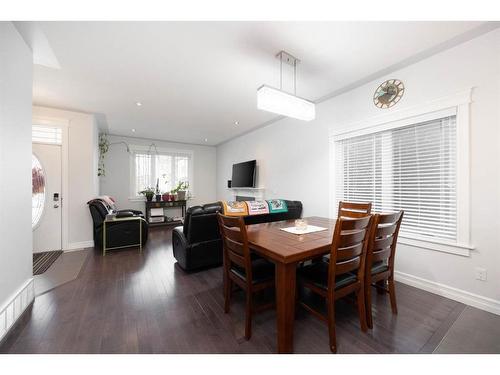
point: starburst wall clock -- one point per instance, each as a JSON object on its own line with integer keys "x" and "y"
{"x": 388, "y": 93}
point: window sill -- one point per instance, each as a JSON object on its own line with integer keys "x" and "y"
{"x": 445, "y": 247}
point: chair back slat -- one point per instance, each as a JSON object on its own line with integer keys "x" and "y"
{"x": 350, "y": 238}
{"x": 236, "y": 259}
{"x": 383, "y": 240}
{"x": 344, "y": 253}
{"x": 389, "y": 218}
{"x": 348, "y": 251}
{"x": 234, "y": 240}
{"x": 235, "y": 243}
{"x": 381, "y": 255}
{"x": 385, "y": 230}
{"x": 382, "y": 243}
{"x": 347, "y": 265}
{"x": 352, "y": 224}
{"x": 354, "y": 210}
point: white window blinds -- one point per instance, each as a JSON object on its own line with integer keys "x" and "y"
{"x": 168, "y": 168}
{"x": 410, "y": 168}
{"x": 46, "y": 134}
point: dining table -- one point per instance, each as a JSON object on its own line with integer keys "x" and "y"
{"x": 287, "y": 250}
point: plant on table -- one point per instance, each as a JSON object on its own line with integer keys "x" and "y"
{"x": 149, "y": 193}
{"x": 180, "y": 190}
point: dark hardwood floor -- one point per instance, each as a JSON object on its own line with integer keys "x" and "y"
{"x": 129, "y": 302}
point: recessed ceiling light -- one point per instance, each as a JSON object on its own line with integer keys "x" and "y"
{"x": 138, "y": 104}
{"x": 206, "y": 140}
{"x": 133, "y": 130}
{"x": 236, "y": 123}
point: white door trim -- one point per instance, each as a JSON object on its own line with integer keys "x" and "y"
{"x": 63, "y": 124}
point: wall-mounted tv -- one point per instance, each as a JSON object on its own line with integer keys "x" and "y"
{"x": 244, "y": 174}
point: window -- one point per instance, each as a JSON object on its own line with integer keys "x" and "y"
{"x": 46, "y": 134}
{"x": 411, "y": 167}
{"x": 37, "y": 191}
{"x": 169, "y": 168}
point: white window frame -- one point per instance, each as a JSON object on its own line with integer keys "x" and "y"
{"x": 133, "y": 195}
{"x": 457, "y": 104}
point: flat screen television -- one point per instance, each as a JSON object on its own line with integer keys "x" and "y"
{"x": 244, "y": 174}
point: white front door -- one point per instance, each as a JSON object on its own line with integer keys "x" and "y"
{"x": 47, "y": 200}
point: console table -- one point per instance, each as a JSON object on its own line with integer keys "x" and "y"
{"x": 165, "y": 205}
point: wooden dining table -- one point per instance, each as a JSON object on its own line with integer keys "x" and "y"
{"x": 286, "y": 251}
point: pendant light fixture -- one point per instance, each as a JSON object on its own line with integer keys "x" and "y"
{"x": 278, "y": 101}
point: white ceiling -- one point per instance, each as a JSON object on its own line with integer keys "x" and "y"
{"x": 195, "y": 79}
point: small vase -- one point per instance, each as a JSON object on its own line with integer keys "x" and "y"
{"x": 149, "y": 198}
{"x": 181, "y": 195}
{"x": 158, "y": 197}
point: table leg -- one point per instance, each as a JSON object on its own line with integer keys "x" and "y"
{"x": 285, "y": 305}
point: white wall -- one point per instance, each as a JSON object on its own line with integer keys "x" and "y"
{"x": 294, "y": 163}
{"x": 15, "y": 174}
{"x": 116, "y": 182}
{"x": 82, "y": 170}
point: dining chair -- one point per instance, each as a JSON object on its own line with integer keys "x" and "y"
{"x": 354, "y": 210}
{"x": 350, "y": 210}
{"x": 251, "y": 273}
{"x": 380, "y": 259}
{"x": 342, "y": 275}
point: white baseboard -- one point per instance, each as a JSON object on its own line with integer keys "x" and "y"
{"x": 15, "y": 306}
{"x": 79, "y": 245}
{"x": 471, "y": 299}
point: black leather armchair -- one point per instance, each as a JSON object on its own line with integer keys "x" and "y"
{"x": 120, "y": 233}
{"x": 197, "y": 244}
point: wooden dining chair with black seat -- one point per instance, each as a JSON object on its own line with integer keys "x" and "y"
{"x": 380, "y": 259}
{"x": 342, "y": 274}
{"x": 250, "y": 272}
{"x": 354, "y": 210}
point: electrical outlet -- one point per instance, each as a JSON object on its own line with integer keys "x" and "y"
{"x": 481, "y": 274}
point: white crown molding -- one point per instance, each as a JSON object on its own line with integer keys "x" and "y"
{"x": 471, "y": 299}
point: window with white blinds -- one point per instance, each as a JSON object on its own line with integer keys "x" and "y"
{"x": 410, "y": 168}
{"x": 168, "y": 168}
{"x": 46, "y": 134}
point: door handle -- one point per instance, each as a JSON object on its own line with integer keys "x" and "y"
{"x": 56, "y": 205}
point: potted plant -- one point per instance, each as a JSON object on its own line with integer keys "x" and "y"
{"x": 180, "y": 190}
{"x": 149, "y": 193}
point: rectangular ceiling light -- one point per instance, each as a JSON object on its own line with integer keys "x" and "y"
{"x": 277, "y": 101}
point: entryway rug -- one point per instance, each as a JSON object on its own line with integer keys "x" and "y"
{"x": 42, "y": 261}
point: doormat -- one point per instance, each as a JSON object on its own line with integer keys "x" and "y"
{"x": 42, "y": 261}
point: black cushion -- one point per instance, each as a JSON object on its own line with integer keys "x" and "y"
{"x": 378, "y": 267}
{"x": 317, "y": 274}
{"x": 262, "y": 270}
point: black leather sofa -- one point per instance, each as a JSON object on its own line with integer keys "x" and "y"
{"x": 120, "y": 233}
{"x": 197, "y": 244}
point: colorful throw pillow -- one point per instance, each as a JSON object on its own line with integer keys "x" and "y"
{"x": 257, "y": 207}
{"x": 277, "y": 206}
{"x": 235, "y": 208}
